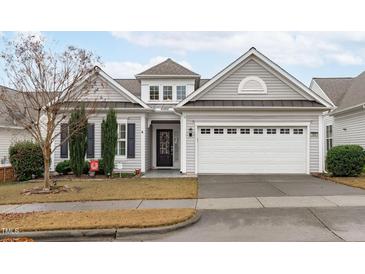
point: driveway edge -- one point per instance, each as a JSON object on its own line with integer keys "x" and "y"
{"x": 102, "y": 233}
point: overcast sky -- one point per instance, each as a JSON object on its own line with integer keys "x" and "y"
{"x": 303, "y": 54}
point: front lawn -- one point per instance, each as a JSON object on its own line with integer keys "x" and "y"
{"x": 96, "y": 190}
{"x": 131, "y": 218}
{"x": 350, "y": 181}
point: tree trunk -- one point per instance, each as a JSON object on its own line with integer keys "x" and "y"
{"x": 47, "y": 161}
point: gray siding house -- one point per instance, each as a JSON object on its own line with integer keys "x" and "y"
{"x": 10, "y": 131}
{"x": 251, "y": 117}
{"x": 345, "y": 123}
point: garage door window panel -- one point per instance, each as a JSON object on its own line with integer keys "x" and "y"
{"x": 205, "y": 131}
{"x": 284, "y": 131}
{"x": 258, "y": 131}
{"x": 218, "y": 131}
{"x": 271, "y": 131}
{"x": 298, "y": 131}
{"x": 231, "y": 131}
{"x": 245, "y": 131}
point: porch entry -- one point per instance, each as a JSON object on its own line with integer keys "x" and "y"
{"x": 164, "y": 147}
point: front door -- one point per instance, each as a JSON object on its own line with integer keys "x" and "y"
{"x": 164, "y": 147}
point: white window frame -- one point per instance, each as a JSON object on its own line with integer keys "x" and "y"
{"x": 158, "y": 93}
{"x": 163, "y": 93}
{"x": 177, "y": 92}
{"x": 242, "y": 90}
{"x": 231, "y": 131}
{"x": 125, "y": 123}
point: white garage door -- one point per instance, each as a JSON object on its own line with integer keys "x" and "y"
{"x": 252, "y": 150}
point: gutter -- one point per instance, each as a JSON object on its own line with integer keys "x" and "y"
{"x": 249, "y": 108}
{"x": 335, "y": 112}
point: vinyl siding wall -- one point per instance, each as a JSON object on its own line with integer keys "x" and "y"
{"x": 258, "y": 116}
{"x": 227, "y": 89}
{"x": 354, "y": 123}
{"x": 129, "y": 164}
{"x": 102, "y": 91}
{"x": 9, "y": 137}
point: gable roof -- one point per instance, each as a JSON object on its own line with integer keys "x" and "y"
{"x": 168, "y": 68}
{"x": 346, "y": 93}
{"x": 265, "y": 60}
{"x": 120, "y": 88}
{"x": 334, "y": 88}
{"x": 132, "y": 85}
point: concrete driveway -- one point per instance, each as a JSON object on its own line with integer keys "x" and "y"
{"x": 273, "y": 185}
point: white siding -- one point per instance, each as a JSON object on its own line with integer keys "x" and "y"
{"x": 9, "y": 137}
{"x": 145, "y": 88}
{"x": 227, "y": 89}
{"x": 129, "y": 164}
{"x": 258, "y": 116}
{"x": 354, "y": 124}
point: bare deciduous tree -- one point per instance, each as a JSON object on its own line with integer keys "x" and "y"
{"x": 45, "y": 87}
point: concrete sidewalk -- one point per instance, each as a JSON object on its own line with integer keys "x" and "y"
{"x": 211, "y": 203}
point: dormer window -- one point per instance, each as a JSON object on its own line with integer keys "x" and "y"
{"x": 167, "y": 93}
{"x": 154, "y": 93}
{"x": 180, "y": 92}
{"x": 252, "y": 85}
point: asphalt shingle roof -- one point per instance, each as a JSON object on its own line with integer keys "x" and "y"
{"x": 168, "y": 67}
{"x": 344, "y": 92}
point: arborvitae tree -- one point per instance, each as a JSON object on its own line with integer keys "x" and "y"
{"x": 78, "y": 140}
{"x": 109, "y": 128}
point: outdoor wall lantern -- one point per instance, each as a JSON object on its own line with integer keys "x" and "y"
{"x": 190, "y": 132}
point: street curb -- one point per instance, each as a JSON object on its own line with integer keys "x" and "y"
{"x": 157, "y": 230}
{"x": 106, "y": 233}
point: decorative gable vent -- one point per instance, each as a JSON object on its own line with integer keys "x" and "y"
{"x": 252, "y": 85}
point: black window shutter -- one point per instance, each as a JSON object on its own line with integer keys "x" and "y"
{"x": 90, "y": 141}
{"x": 131, "y": 142}
{"x": 64, "y": 144}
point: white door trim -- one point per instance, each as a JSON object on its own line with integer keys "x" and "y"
{"x": 225, "y": 124}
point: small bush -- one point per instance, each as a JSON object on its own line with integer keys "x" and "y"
{"x": 345, "y": 160}
{"x": 26, "y": 158}
{"x": 86, "y": 167}
{"x": 63, "y": 167}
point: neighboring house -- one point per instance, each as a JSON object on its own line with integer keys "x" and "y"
{"x": 10, "y": 132}
{"x": 345, "y": 123}
{"x": 252, "y": 117}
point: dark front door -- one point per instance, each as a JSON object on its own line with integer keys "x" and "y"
{"x": 164, "y": 147}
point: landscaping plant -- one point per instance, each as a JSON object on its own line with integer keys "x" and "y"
{"x": 63, "y": 167}
{"x": 26, "y": 158}
{"x": 78, "y": 140}
{"x": 345, "y": 160}
{"x": 109, "y": 129}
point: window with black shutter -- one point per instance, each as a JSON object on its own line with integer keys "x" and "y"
{"x": 64, "y": 141}
{"x": 90, "y": 141}
{"x": 131, "y": 142}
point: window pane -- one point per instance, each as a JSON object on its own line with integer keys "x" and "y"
{"x": 218, "y": 131}
{"x": 167, "y": 92}
{"x": 245, "y": 131}
{"x": 154, "y": 93}
{"x": 180, "y": 92}
{"x": 121, "y": 131}
{"x": 121, "y": 147}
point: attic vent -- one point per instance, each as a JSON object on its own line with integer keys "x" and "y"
{"x": 252, "y": 85}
